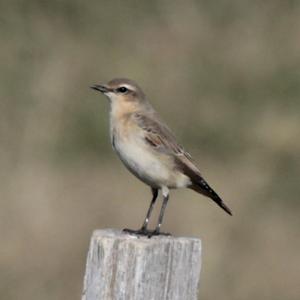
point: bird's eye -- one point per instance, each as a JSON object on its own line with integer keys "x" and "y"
{"x": 122, "y": 89}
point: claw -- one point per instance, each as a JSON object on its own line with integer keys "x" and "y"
{"x": 157, "y": 232}
{"x": 141, "y": 231}
{"x": 145, "y": 232}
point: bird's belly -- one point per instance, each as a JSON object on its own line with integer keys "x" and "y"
{"x": 153, "y": 168}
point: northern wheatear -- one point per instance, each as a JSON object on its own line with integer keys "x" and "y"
{"x": 148, "y": 148}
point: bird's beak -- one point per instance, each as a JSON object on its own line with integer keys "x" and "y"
{"x": 100, "y": 87}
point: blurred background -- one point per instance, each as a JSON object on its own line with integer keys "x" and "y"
{"x": 223, "y": 74}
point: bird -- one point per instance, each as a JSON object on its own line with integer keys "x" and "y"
{"x": 149, "y": 149}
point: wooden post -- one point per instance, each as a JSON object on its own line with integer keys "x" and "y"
{"x": 125, "y": 267}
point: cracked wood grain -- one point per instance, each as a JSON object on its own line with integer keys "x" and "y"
{"x": 125, "y": 267}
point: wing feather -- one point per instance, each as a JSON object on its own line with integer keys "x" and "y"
{"x": 159, "y": 136}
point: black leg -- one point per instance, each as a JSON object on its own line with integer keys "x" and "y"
{"x": 161, "y": 216}
{"x": 149, "y": 212}
{"x": 143, "y": 230}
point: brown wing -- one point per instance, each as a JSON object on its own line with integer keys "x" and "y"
{"x": 159, "y": 136}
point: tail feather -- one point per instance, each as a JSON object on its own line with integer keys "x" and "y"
{"x": 202, "y": 187}
{"x": 186, "y": 166}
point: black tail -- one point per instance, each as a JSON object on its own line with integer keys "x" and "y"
{"x": 202, "y": 187}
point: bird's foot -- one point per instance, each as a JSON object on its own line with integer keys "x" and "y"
{"x": 157, "y": 232}
{"x": 142, "y": 231}
{"x": 145, "y": 232}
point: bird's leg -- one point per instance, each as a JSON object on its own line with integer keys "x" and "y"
{"x": 165, "y": 192}
{"x": 149, "y": 212}
{"x": 143, "y": 230}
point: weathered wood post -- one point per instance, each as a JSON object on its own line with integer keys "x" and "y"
{"x": 125, "y": 267}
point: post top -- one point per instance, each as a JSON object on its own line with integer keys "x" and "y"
{"x": 111, "y": 233}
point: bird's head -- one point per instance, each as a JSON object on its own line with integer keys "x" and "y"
{"x": 121, "y": 90}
